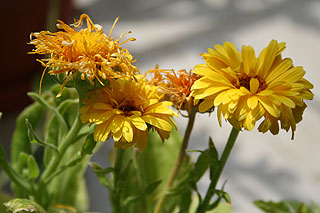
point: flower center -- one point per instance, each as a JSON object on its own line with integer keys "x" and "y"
{"x": 253, "y": 84}
{"x": 127, "y": 106}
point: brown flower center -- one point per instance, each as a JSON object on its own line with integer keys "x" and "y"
{"x": 253, "y": 84}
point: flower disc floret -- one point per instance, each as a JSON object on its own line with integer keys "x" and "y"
{"x": 246, "y": 88}
{"x": 124, "y": 110}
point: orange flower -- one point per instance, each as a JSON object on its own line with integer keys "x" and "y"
{"x": 175, "y": 85}
{"x": 89, "y": 52}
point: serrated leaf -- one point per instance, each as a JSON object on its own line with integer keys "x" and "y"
{"x": 23, "y": 205}
{"x": 33, "y": 168}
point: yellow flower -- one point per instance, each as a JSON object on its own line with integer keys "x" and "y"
{"x": 91, "y": 53}
{"x": 124, "y": 109}
{"x": 175, "y": 85}
{"x": 246, "y": 88}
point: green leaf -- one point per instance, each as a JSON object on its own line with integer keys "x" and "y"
{"x": 212, "y": 148}
{"x": 200, "y": 166}
{"x": 124, "y": 174}
{"x": 285, "y": 206}
{"x": 96, "y": 168}
{"x": 20, "y": 140}
{"x": 0, "y": 115}
{"x": 302, "y": 208}
{"x": 35, "y": 139}
{"x": 4, "y": 197}
{"x": 12, "y": 174}
{"x": 185, "y": 200}
{"x": 151, "y": 187}
{"x": 88, "y": 145}
{"x": 23, "y": 205}
{"x": 314, "y": 208}
{"x": 52, "y": 137}
{"x": 213, "y": 160}
{"x": 273, "y": 207}
{"x": 23, "y": 160}
{"x": 43, "y": 102}
{"x": 33, "y": 168}
{"x": 101, "y": 175}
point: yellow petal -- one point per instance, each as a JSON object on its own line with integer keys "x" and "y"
{"x": 210, "y": 91}
{"x": 252, "y": 102}
{"x": 141, "y": 139}
{"x": 138, "y": 122}
{"x": 268, "y": 105}
{"x": 205, "y": 105}
{"x": 157, "y": 122}
{"x": 248, "y": 55}
{"x": 102, "y": 106}
{"x": 279, "y": 70}
{"x": 127, "y": 130}
{"x": 117, "y": 123}
{"x": 201, "y": 83}
{"x": 117, "y": 135}
{"x": 267, "y": 57}
{"x": 286, "y": 101}
{"x": 220, "y": 98}
{"x": 254, "y": 85}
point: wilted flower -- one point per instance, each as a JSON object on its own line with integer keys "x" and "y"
{"x": 175, "y": 85}
{"x": 245, "y": 88}
{"x": 91, "y": 53}
{"x": 124, "y": 109}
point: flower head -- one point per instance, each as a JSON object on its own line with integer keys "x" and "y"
{"x": 89, "y": 52}
{"x": 175, "y": 85}
{"x": 246, "y": 88}
{"x": 125, "y": 109}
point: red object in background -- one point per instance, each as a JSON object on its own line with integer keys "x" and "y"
{"x": 18, "y": 19}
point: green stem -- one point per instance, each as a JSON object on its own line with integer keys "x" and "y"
{"x": 225, "y": 155}
{"x": 175, "y": 170}
{"x": 143, "y": 205}
{"x": 116, "y": 200}
{"x": 68, "y": 140}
